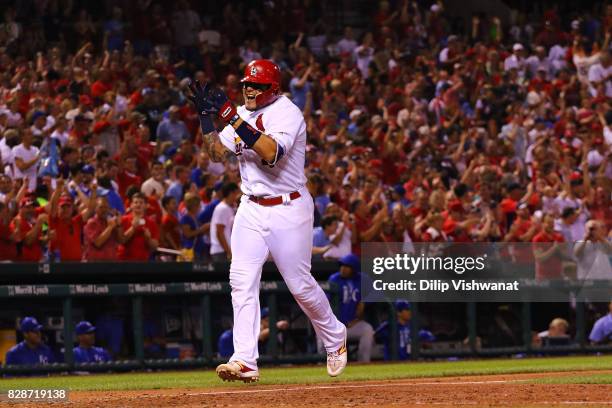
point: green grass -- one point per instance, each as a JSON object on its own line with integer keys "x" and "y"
{"x": 317, "y": 374}
{"x": 576, "y": 379}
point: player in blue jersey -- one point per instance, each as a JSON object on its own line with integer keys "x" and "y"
{"x": 383, "y": 332}
{"x": 348, "y": 283}
{"x": 86, "y": 352}
{"x": 31, "y": 350}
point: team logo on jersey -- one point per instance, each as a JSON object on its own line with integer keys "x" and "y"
{"x": 259, "y": 123}
{"x": 238, "y": 147}
{"x": 253, "y": 71}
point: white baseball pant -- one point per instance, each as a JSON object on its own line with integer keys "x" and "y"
{"x": 285, "y": 232}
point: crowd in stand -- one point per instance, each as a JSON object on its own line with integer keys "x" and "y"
{"x": 419, "y": 128}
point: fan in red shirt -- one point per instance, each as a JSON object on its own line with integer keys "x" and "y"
{"x": 366, "y": 228}
{"x": 29, "y": 227}
{"x": 102, "y": 85}
{"x": 170, "y": 234}
{"x": 432, "y": 229}
{"x": 128, "y": 176}
{"x": 66, "y": 225}
{"x": 456, "y": 225}
{"x": 8, "y": 235}
{"x": 548, "y": 257}
{"x": 141, "y": 235}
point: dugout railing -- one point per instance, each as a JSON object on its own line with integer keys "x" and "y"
{"x": 65, "y": 282}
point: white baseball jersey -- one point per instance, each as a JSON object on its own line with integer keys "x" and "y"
{"x": 283, "y": 121}
{"x": 282, "y": 231}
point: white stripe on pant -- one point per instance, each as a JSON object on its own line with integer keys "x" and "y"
{"x": 285, "y": 232}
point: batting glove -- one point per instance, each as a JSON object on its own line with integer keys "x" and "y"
{"x": 224, "y": 107}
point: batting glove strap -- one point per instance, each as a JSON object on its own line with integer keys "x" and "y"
{"x": 228, "y": 113}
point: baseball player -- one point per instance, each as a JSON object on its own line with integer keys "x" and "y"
{"x": 31, "y": 350}
{"x": 275, "y": 216}
{"x": 86, "y": 352}
{"x": 383, "y": 332}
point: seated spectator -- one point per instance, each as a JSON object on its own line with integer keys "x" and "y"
{"x": 86, "y": 352}
{"x": 404, "y": 340}
{"x": 31, "y": 350}
{"x": 222, "y": 222}
{"x": 556, "y": 334}
{"x": 602, "y": 329}
{"x": 140, "y": 234}
{"x": 102, "y": 233}
{"x": 348, "y": 287}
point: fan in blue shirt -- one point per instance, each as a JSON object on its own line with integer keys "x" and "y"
{"x": 31, "y": 350}
{"x": 86, "y": 352}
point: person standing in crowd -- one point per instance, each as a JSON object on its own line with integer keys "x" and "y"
{"x": 191, "y": 230}
{"x": 102, "y": 233}
{"x": 26, "y": 158}
{"x": 222, "y": 222}
{"x": 593, "y": 253}
{"x": 140, "y": 233}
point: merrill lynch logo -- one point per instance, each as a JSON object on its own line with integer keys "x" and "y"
{"x": 147, "y": 288}
{"x": 203, "y": 287}
{"x": 18, "y": 290}
{"x": 88, "y": 289}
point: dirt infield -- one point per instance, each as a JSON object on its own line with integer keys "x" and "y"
{"x": 481, "y": 391}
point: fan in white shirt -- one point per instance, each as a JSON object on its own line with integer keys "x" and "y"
{"x": 601, "y": 73}
{"x": 222, "y": 222}
{"x": 26, "y": 158}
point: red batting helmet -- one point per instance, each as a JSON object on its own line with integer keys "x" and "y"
{"x": 264, "y": 72}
